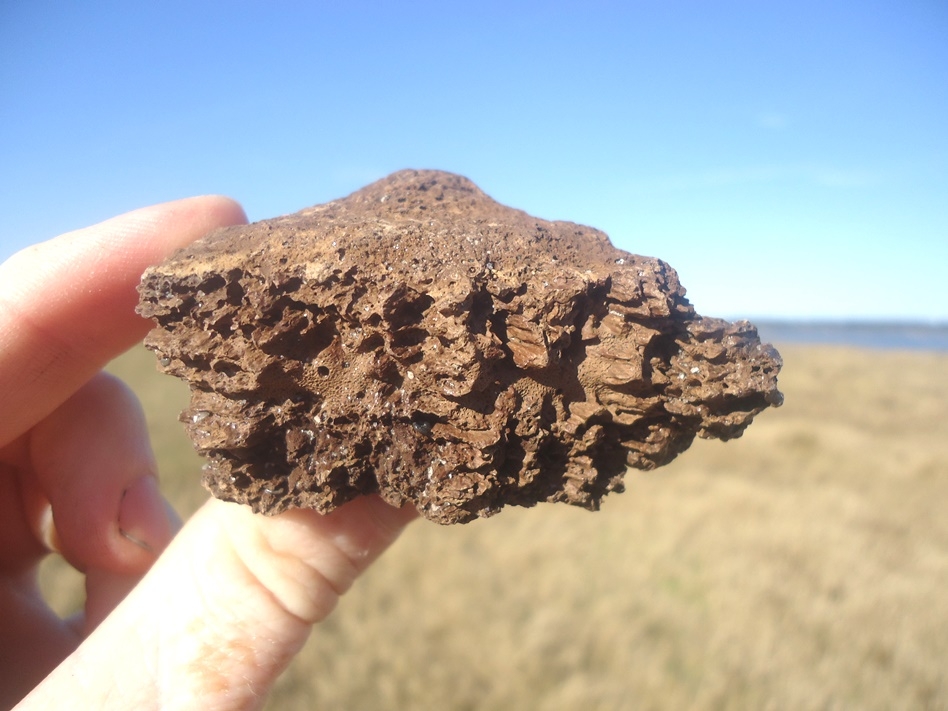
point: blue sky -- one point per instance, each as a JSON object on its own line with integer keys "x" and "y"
{"x": 788, "y": 159}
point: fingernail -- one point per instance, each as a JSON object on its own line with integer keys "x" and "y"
{"x": 143, "y": 517}
{"x": 46, "y": 530}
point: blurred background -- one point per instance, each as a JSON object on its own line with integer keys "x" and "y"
{"x": 790, "y": 160}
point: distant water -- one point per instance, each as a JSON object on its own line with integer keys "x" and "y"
{"x": 863, "y": 334}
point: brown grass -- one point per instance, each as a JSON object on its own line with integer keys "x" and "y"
{"x": 804, "y": 566}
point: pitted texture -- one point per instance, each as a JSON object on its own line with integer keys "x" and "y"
{"x": 420, "y": 340}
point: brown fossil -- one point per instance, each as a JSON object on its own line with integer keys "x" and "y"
{"x": 420, "y": 340}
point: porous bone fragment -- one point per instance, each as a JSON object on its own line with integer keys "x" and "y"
{"x": 419, "y": 340}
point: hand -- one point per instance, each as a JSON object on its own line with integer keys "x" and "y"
{"x": 231, "y": 598}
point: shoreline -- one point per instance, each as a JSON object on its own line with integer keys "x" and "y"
{"x": 889, "y": 336}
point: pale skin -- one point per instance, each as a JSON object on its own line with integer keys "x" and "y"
{"x": 202, "y": 618}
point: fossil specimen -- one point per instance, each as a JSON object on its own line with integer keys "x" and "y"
{"x": 420, "y": 340}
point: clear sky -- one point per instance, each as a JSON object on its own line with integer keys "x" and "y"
{"x": 787, "y": 158}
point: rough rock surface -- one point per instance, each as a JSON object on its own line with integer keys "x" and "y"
{"x": 420, "y": 340}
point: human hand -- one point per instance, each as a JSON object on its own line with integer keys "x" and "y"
{"x": 231, "y": 598}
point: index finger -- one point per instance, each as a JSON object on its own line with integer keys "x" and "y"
{"x": 67, "y": 306}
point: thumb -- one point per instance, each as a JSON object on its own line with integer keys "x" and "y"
{"x": 223, "y": 610}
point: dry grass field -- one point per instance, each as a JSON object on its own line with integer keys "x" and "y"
{"x": 804, "y": 566}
